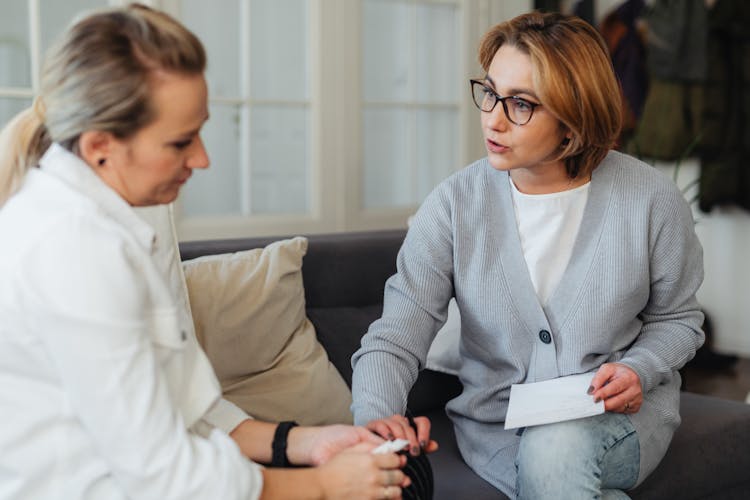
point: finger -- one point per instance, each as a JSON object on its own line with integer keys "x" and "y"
{"x": 616, "y": 404}
{"x": 625, "y": 382}
{"x": 629, "y": 407}
{"x": 423, "y": 426}
{"x": 387, "y": 493}
{"x": 431, "y": 447}
{"x": 406, "y": 482}
{"x": 601, "y": 377}
{"x": 406, "y": 431}
{"x": 402, "y": 429}
{"x": 614, "y": 388}
{"x": 387, "y": 461}
{"x": 623, "y": 402}
{"x": 378, "y": 427}
{"x": 415, "y": 443}
{"x": 386, "y": 429}
{"x": 367, "y": 436}
{"x": 392, "y": 477}
{"x": 618, "y": 382}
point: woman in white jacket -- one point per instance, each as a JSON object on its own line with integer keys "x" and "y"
{"x": 103, "y": 395}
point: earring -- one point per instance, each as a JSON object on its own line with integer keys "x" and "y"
{"x": 102, "y": 161}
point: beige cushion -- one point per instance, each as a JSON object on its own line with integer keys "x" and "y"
{"x": 249, "y": 313}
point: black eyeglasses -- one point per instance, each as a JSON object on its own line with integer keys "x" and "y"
{"x": 517, "y": 109}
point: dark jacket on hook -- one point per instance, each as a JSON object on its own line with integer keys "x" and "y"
{"x": 725, "y": 145}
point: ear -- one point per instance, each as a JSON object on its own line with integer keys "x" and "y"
{"x": 567, "y": 137}
{"x": 566, "y": 133}
{"x": 96, "y": 147}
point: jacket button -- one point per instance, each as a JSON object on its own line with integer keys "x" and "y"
{"x": 545, "y": 337}
{"x": 183, "y": 335}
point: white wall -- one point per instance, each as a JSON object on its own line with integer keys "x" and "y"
{"x": 725, "y": 293}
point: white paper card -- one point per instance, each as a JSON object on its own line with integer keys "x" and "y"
{"x": 391, "y": 446}
{"x": 554, "y": 400}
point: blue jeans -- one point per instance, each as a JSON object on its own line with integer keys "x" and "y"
{"x": 594, "y": 457}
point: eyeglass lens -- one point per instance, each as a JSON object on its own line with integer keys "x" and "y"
{"x": 517, "y": 110}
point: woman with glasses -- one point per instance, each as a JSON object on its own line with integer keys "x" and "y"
{"x": 565, "y": 258}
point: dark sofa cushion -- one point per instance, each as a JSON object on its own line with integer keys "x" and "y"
{"x": 349, "y": 269}
{"x": 712, "y": 429}
{"x": 340, "y": 329}
{"x": 454, "y": 480}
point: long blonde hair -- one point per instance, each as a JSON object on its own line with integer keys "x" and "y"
{"x": 573, "y": 77}
{"x": 97, "y": 77}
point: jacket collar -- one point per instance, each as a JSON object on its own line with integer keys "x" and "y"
{"x": 74, "y": 172}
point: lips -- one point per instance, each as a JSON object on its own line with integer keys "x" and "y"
{"x": 494, "y": 147}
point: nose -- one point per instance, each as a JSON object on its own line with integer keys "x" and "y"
{"x": 496, "y": 119}
{"x": 198, "y": 157}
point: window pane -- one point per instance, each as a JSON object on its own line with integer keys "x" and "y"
{"x": 437, "y": 60}
{"x": 387, "y": 50}
{"x": 10, "y": 107}
{"x": 280, "y": 152}
{"x": 15, "y": 59}
{"x": 387, "y": 172}
{"x": 219, "y": 30}
{"x": 55, "y": 16}
{"x": 437, "y": 149}
{"x": 279, "y": 58}
{"x": 410, "y": 57}
{"x": 216, "y": 190}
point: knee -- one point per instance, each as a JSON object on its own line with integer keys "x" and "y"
{"x": 550, "y": 455}
{"x": 552, "y": 446}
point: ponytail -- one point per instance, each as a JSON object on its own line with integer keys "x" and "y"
{"x": 23, "y": 141}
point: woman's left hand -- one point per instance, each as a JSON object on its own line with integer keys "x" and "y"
{"x": 619, "y": 386}
{"x": 320, "y": 444}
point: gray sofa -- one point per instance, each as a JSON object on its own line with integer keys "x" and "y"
{"x": 344, "y": 276}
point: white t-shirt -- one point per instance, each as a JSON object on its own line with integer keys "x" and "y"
{"x": 548, "y": 225}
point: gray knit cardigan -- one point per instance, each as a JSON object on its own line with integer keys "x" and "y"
{"x": 627, "y": 295}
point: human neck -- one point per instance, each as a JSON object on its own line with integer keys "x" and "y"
{"x": 545, "y": 181}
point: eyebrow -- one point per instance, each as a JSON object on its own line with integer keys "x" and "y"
{"x": 513, "y": 92}
{"x": 190, "y": 133}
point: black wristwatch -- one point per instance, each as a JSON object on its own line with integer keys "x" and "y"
{"x": 278, "y": 446}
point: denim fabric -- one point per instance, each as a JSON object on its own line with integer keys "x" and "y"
{"x": 595, "y": 457}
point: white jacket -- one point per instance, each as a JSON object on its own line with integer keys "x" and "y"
{"x": 104, "y": 391}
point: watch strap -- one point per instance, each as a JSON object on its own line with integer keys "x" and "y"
{"x": 279, "y": 444}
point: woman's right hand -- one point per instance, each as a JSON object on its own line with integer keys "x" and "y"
{"x": 416, "y": 431}
{"x": 357, "y": 473}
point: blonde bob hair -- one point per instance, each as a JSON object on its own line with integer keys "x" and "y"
{"x": 572, "y": 75}
{"x": 97, "y": 77}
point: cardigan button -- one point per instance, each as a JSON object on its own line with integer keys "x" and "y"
{"x": 545, "y": 337}
{"x": 183, "y": 335}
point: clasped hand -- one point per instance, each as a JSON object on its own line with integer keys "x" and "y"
{"x": 400, "y": 427}
{"x": 619, "y": 386}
